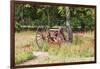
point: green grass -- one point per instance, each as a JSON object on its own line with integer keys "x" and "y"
{"x": 23, "y": 46}
{"x": 81, "y": 47}
{"x": 23, "y": 56}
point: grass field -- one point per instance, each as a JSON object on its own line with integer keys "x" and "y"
{"x": 81, "y": 47}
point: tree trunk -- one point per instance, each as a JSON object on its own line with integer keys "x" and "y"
{"x": 69, "y": 30}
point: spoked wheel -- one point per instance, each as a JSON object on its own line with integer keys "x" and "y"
{"x": 41, "y": 37}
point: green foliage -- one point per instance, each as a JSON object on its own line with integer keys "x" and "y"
{"x": 77, "y": 40}
{"x": 17, "y": 27}
{"x": 81, "y": 18}
{"x": 45, "y": 47}
{"x": 26, "y": 55}
{"x": 86, "y": 53}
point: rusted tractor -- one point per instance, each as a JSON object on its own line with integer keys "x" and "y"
{"x": 49, "y": 36}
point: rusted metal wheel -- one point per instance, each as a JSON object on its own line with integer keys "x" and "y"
{"x": 41, "y": 39}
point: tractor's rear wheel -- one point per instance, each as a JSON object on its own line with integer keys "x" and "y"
{"x": 41, "y": 39}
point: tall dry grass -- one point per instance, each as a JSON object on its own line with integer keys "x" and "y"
{"x": 81, "y": 47}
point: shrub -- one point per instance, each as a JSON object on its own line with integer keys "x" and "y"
{"x": 77, "y": 40}
{"x": 17, "y": 27}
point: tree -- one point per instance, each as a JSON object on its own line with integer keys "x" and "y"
{"x": 82, "y": 18}
{"x": 70, "y": 34}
